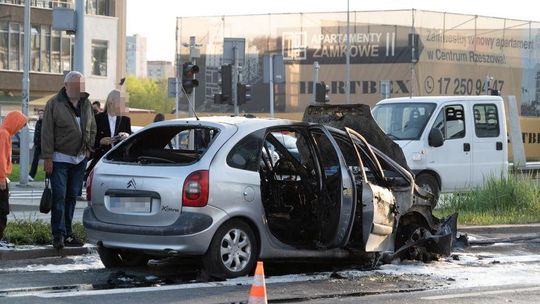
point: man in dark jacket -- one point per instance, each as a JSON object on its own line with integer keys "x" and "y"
{"x": 67, "y": 139}
{"x": 37, "y": 146}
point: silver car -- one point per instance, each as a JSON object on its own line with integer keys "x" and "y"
{"x": 242, "y": 189}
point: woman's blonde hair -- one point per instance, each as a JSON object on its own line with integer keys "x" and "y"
{"x": 114, "y": 94}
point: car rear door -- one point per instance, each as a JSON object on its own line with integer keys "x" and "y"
{"x": 378, "y": 203}
{"x": 337, "y": 187}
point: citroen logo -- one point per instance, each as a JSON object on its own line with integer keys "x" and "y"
{"x": 132, "y": 184}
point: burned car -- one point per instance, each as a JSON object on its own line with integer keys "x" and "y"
{"x": 244, "y": 189}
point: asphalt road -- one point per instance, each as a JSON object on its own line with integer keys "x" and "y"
{"x": 497, "y": 273}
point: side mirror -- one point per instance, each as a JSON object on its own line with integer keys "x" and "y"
{"x": 435, "y": 138}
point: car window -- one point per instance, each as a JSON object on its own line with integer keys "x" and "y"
{"x": 451, "y": 122}
{"x": 158, "y": 145}
{"x": 486, "y": 120}
{"x": 245, "y": 154}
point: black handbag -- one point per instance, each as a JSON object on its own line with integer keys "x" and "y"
{"x": 46, "y": 198}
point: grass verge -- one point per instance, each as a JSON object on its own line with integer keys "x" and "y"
{"x": 16, "y": 173}
{"x": 508, "y": 200}
{"x": 35, "y": 232}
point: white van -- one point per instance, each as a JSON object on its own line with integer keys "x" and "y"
{"x": 451, "y": 143}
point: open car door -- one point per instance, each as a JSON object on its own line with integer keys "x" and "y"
{"x": 378, "y": 202}
{"x": 337, "y": 189}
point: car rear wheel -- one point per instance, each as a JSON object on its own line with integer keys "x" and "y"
{"x": 115, "y": 258}
{"x": 429, "y": 183}
{"x": 233, "y": 251}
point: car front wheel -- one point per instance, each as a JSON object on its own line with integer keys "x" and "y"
{"x": 233, "y": 251}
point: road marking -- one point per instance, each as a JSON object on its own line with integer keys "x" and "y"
{"x": 481, "y": 293}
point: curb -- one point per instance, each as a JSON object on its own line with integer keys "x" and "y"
{"x": 42, "y": 252}
{"x": 492, "y": 229}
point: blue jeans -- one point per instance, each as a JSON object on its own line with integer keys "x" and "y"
{"x": 66, "y": 181}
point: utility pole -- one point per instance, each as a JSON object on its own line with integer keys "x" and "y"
{"x": 24, "y": 155}
{"x": 316, "y": 68}
{"x": 271, "y": 84}
{"x": 348, "y": 60}
{"x": 78, "y": 56}
{"x": 192, "y": 57}
{"x": 235, "y": 82}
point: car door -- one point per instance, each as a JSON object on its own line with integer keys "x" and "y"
{"x": 378, "y": 202}
{"x": 452, "y": 161}
{"x": 489, "y": 150}
{"x": 337, "y": 187}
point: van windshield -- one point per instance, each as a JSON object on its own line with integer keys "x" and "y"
{"x": 403, "y": 121}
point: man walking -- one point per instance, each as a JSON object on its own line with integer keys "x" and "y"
{"x": 37, "y": 146}
{"x": 67, "y": 138}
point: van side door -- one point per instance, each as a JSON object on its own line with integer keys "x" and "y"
{"x": 452, "y": 161}
{"x": 490, "y": 145}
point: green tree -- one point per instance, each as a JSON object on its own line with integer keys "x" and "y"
{"x": 146, "y": 93}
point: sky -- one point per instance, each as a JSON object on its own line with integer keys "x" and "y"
{"x": 156, "y": 19}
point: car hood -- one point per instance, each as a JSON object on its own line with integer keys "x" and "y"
{"x": 357, "y": 117}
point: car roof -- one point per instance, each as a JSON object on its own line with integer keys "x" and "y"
{"x": 244, "y": 123}
{"x": 440, "y": 99}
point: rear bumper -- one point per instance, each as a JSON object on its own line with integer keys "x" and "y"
{"x": 191, "y": 234}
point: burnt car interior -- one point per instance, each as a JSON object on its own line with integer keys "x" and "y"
{"x": 178, "y": 145}
{"x": 300, "y": 187}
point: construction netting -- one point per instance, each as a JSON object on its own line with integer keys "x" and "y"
{"x": 418, "y": 52}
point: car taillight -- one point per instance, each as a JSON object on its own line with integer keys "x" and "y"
{"x": 195, "y": 191}
{"x": 89, "y": 187}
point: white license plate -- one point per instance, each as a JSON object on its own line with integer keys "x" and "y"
{"x": 130, "y": 204}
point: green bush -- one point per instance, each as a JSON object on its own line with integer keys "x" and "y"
{"x": 35, "y": 232}
{"x": 507, "y": 200}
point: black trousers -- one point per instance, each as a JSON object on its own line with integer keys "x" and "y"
{"x": 35, "y": 161}
{"x": 4, "y": 210}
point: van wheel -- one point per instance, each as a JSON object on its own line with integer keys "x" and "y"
{"x": 112, "y": 258}
{"x": 233, "y": 251}
{"x": 429, "y": 183}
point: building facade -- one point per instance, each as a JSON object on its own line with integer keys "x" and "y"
{"x": 52, "y": 51}
{"x": 136, "y": 56}
{"x": 159, "y": 70}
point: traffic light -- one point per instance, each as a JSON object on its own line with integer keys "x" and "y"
{"x": 243, "y": 92}
{"x": 225, "y": 83}
{"x": 188, "y": 71}
{"x": 321, "y": 92}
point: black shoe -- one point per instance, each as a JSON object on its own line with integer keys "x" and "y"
{"x": 58, "y": 242}
{"x": 70, "y": 241}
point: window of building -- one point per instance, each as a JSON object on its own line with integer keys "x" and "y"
{"x": 98, "y": 7}
{"x": 56, "y": 66}
{"x": 99, "y": 57}
{"x": 45, "y": 48}
{"x": 486, "y": 120}
{"x": 66, "y": 52}
{"x": 34, "y": 47}
{"x": 15, "y": 49}
{"x": 4, "y": 43}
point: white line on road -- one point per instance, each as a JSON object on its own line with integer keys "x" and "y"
{"x": 481, "y": 293}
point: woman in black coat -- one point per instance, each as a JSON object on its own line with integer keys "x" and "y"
{"x": 112, "y": 127}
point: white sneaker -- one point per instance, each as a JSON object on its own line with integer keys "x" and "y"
{"x": 30, "y": 178}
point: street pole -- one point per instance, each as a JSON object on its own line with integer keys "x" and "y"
{"x": 178, "y": 73}
{"x": 271, "y": 83}
{"x": 235, "y": 82}
{"x": 78, "y": 56}
{"x": 191, "y": 108}
{"x": 348, "y": 60}
{"x": 316, "y": 68}
{"x": 24, "y": 153}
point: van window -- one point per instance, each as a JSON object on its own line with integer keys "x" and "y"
{"x": 451, "y": 122}
{"x": 403, "y": 121}
{"x": 486, "y": 120}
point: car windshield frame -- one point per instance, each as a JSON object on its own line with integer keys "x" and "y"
{"x": 409, "y": 124}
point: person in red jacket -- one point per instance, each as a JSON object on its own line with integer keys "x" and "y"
{"x": 13, "y": 122}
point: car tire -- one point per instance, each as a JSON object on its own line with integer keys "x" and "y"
{"x": 232, "y": 252}
{"x": 112, "y": 258}
{"x": 429, "y": 183}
